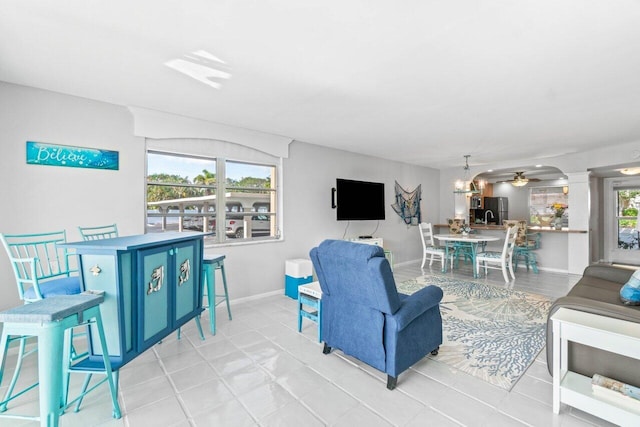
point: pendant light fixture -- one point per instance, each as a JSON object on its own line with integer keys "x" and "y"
{"x": 466, "y": 185}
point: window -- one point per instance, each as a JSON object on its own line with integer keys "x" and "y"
{"x": 628, "y": 203}
{"x": 548, "y": 203}
{"x": 184, "y": 193}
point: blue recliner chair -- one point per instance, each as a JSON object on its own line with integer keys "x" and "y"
{"x": 364, "y": 315}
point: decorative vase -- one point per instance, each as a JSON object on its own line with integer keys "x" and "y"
{"x": 557, "y": 223}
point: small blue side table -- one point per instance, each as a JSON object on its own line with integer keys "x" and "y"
{"x": 311, "y": 296}
{"x": 48, "y": 320}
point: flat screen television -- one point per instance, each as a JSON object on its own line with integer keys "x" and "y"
{"x": 359, "y": 200}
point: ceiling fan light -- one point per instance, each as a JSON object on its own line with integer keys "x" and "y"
{"x": 521, "y": 182}
{"x": 630, "y": 171}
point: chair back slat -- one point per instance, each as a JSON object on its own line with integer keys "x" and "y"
{"x": 426, "y": 231}
{"x": 99, "y": 232}
{"x": 510, "y": 242}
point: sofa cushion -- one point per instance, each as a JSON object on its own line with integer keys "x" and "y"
{"x": 630, "y": 292}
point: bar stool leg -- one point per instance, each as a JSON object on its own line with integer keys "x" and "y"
{"x": 4, "y": 347}
{"x": 16, "y": 373}
{"x": 107, "y": 367}
{"x": 320, "y": 320}
{"x": 110, "y": 376}
{"x": 49, "y": 363}
{"x": 209, "y": 276}
{"x": 299, "y": 313}
{"x": 226, "y": 293}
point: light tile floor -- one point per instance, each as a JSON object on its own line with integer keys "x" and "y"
{"x": 258, "y": 370}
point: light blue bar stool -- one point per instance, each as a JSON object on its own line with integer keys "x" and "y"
{"x": 51, "y": 321}
{"x": 210, "y": 264}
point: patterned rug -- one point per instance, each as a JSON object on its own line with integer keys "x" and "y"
{"x": 489, "y": 332}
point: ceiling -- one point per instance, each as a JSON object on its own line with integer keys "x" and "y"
{"x": 423, "y": 82}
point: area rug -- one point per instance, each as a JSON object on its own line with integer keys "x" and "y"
{"x": 489, "y": 332}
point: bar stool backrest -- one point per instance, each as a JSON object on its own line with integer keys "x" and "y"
{"x": 99, "y": 232}
{"x": 37, "y": 258}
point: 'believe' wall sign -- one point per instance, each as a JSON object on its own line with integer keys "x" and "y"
{"x": 39, "y": 153}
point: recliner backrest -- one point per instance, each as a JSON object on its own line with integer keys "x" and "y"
{"x": 357, "y": 272}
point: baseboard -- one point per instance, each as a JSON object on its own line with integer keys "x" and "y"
{"x": 255, "y": 297}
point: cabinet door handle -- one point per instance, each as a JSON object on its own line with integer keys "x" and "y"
{"x": 170, "y": 251}
{"x": 157, "y": 277}
{"x": 185, "y": 271}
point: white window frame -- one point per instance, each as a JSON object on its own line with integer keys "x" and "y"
{"x": 611, "y": 251}
{"x": 257, "y": 158}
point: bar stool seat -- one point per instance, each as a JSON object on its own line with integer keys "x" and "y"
{"x": 210, "y": 264}
{"x": 51, "y": 321}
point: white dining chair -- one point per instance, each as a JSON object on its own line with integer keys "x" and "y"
{"x": 501, "y": 260}
{"x": 428, "y": 246}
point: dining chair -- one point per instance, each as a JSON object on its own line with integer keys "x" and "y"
{"x": 99, "y": 232}
{"x": 429, "y": 247}
{"x": 526, "y": 252}
{"x": 526, "y": 243}
{"x": 503, "y": 260}
{"x": 459, "y": 248}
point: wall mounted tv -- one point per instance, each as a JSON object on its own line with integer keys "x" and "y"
{"x": 358, "y": 200}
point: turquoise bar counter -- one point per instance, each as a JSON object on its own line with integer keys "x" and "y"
{"x": 151, "y": 284}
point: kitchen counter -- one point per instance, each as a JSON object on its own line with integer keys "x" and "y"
{"x": 532, "y": 228}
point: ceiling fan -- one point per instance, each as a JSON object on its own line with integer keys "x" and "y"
{"x": 519, "y": 180}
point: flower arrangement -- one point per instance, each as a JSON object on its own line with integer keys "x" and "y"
{"x": 558, "y": 209}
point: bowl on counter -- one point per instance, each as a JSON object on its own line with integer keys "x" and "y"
{"x": 545, "y": 220}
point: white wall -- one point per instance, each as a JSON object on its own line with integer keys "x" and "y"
{"x": 45, "y": 198}
{"x": 49, "y": 198}
{"x": 310, "y": 172}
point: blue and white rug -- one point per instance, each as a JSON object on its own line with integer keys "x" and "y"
{"x": 490, "y": 332}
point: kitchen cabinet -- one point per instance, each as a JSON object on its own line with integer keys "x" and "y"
{"x": 487, "y": 191}
{"x": 152, "y": 286}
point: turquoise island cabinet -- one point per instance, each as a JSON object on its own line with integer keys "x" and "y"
{"x": 151, "y": 284}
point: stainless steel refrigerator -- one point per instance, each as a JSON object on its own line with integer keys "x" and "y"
{"x": 499, "y": 206}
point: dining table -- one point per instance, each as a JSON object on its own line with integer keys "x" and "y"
{"x": 471, "y": 240}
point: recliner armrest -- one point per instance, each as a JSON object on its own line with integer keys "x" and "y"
{"x": 416, "y": 304}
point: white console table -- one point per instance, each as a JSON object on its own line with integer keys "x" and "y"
{"x": 377, "y": 241}
{"x": 613, "y": 335}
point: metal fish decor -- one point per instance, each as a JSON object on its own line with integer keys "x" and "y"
{"x": 407, "y": 204}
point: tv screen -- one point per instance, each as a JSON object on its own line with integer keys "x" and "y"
{"x": 359, "y": 200}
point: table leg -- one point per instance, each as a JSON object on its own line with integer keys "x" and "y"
{"x": 446, "y": 257}
{"x": 474, "y": 250}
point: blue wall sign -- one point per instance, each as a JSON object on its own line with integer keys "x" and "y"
{"x": 39, "y": 153}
